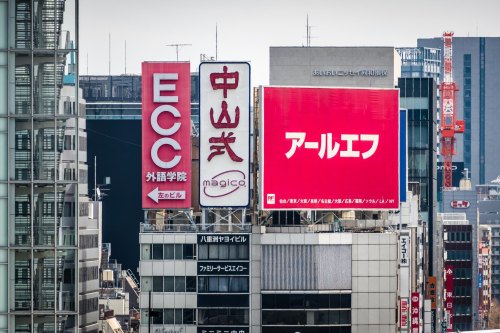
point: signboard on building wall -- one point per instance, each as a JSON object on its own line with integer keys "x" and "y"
{"x": 415, "y": 312}
{"x": 403, "y": 322}
{"x": 224, "y": 134}
{"x": 448, "y": 297}
{"x": 404, "y": 248}
{"x": 431, "y": 291}
{"x": 329, "y": 148}
{"x": 166, "y": 135}
{"x": 403, "y": 154}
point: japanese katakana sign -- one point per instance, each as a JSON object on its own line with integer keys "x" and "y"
{"x": 404, "y": 251}
{"x": 224, "y": 134}
{"x": 223, "y": 268}
{"x": 166, "y": 135}
{"x": 233, "y": 238}
{"x": 329, "y": 148}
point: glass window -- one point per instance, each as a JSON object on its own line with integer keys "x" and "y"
{"x": 189, "y": 250}
{"x": 213, "y": 284}
{"x": 233, "y": 251}
{"x": 178, "y": 316}
{"x": 190, "y": 283}
{"x": 213, "y": 251}
{"x": 178, "y": 251}
{"x": 168, "y": 284}
{"x": 168, "y": 251}
{"x": 180, "y": 283}
{"x": 188, "y": 316}
{"x": 224, "y": 251}
{"x": 157, "y": 284}
{"x": 203, "y": 251}
{"x": 157, "y": 251}
{"x": 168, "y": 316}
{"x": 202, "y": 284}
{"x": 223, "y": 284}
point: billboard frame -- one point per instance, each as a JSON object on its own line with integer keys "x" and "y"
{"x": 261, "y": 152}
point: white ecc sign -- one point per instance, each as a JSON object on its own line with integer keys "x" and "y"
{"x": 404, "y": 251}
{"x": 224, "y": 134}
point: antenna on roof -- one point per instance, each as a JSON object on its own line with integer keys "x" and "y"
{"x": 177, "y": 48}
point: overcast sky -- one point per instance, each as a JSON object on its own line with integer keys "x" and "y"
{"x": 246, "y": 29}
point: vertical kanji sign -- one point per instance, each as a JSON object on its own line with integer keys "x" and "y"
{"x": 415, "y": 312}
{"x": 224, "y": 134}
{"x": 329, "y": 148}
{"x": 166, "y": 135}
{"x": 448, "y": 297}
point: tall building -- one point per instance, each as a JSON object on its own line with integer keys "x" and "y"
{"x": 476, "y": 70}
{"x": 43, "y": 179}
{"x": 418, "y": 96}
{"x": 488, "y": 197}
{"x": 458, "y": 265}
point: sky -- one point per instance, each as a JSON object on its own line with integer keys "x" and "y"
{"x": 246, "y": 29}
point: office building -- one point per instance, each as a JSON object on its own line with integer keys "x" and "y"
{"x": 484, "y": 283}
{"x": 475, "y": 71}
{"x": 418, "y": 96}
{"x": 375, "y": 67}
{"x": 488, "y": 201}
{"x": 48, "y": 270}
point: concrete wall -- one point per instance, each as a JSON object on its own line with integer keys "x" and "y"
{"x": 377, "y": 67}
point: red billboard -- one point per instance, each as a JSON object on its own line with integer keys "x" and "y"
{"x": 166, "y": 135}
{"x": 329, "y": 148}
{"x": 415, "y": 312}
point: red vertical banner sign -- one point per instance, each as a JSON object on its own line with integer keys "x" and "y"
{"x": 448, "y": 297}
{"x": 403, "y": 322}
{"x": 166, "y": 135}
{"x": 415, "y": 312}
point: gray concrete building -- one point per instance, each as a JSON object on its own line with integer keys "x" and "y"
{"x": 376, "y": 67}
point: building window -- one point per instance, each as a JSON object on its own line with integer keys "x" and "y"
{"x": 223, "y": 252}
{"x": 172, "y": 251}
{"x": 223, "y": 284}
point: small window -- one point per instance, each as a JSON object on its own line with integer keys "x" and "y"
{"x": 157, "y": 251}
{"x": 190, "y": 283}
{"x": 168, "y": 251}
{"x": 168, "y": 284}
{"x": 180, "y": 284}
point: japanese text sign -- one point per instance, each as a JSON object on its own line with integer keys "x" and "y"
{"x": 404, "y": 247}
{"x": 448, "y": 297}
{"x": 415, "y": 312}
{"x": 166, "y": 135}
{"x": 329, "y": 148}
{"x": 224, "y": 134}
{"x": 403, "y": 322}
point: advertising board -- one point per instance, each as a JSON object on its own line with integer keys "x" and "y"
{"x": 224, "y": 134}
{"x": 166, "y": 135}
{"x": 329, "y": 148}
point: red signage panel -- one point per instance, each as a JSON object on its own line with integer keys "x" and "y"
{"x": 403, "y": 321}
{"x": 415, "y": 312}
{"x": 329, "y": 148}
{"x": 166, "y": 135}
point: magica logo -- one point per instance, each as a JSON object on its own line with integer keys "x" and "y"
{"x": 224, "y": 183}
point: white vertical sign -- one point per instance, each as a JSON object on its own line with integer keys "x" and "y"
{"x": 404, "y": 251}
{"x": 224, "y": 134}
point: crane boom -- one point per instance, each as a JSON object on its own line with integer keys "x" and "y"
{"x": 449, "y": 126}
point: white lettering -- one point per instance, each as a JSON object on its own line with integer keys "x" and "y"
{"x": 158, "y": 87}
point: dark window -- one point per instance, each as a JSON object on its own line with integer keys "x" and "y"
{"x": 157, "y": 251}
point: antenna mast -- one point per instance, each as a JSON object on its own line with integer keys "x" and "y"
{"x": 177, "y": 48}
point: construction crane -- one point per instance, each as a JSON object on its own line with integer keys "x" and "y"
{"x": 449, "y": 126}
